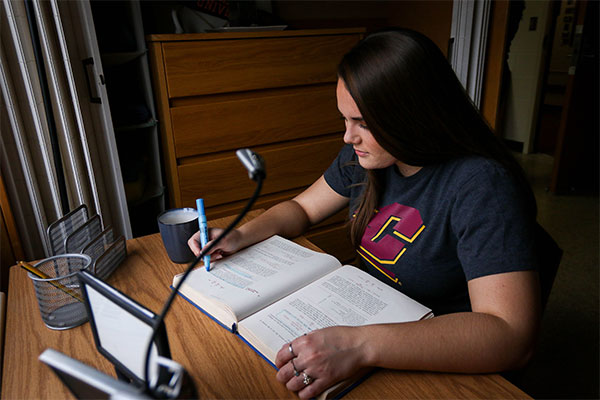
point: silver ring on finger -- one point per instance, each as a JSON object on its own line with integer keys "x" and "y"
{"x": 291, "y": 349}
{"x": 296, "y": 373}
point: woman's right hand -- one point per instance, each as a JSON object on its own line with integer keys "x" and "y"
{"x": 228, "y": 245}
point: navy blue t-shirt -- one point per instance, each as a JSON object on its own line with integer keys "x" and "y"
{"x": 441, "y": 227}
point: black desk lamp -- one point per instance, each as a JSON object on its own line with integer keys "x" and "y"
{"x": 179, "y": 384}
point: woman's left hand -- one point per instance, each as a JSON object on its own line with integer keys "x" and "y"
{"x": 321, "y": 359}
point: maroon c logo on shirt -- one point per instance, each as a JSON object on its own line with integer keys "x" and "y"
{"x": 385, "y": 238}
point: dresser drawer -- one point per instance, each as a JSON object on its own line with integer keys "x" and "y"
{"x": 249, "y": 122}
{"x": 273, "y": 92}
{"x": 223, "y": 66}
{"x": 263, "y": 202}
{"x": 223, "y": 179}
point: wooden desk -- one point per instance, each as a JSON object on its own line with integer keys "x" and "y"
{"x": 221, "y": 364}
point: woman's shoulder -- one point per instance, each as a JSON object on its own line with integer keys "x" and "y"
{"x": 347, "y": 153}
{"x": 477, "y": 179}
{"x": 477, "y": 169}
{"x": 344, "y": 171}
{"x": 347, "y": 162}
{"x": 475, "y": 176}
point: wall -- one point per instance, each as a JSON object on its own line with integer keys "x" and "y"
{"x": 10, "y": 243}
{"x": 555, "y": 84}
{"x": 433, "y": 18}
{"x": 560, "y": 60}
{"x": 7, "y": 257}
{"x": 525, "y": 60}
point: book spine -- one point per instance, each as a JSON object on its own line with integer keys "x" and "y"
{"x": 230, "y": 329}
{"x": 257, "y": 352}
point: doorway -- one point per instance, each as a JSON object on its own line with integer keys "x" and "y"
{"x": 550, "y": 109}
{"x": 555, "y": 75}
{"x": 576, "y": 165}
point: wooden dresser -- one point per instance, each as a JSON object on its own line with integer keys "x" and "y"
{"x": 273, "y": 92}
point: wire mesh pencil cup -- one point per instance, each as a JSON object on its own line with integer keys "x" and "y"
{"x": 58, "y": 290}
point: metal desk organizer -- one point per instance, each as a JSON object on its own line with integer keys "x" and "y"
{"x": 76, "y": 243}
{"x": 78, "y": 239}
{"x": 106, "y": 253}
{"x": 59, "y": 230}
{"x": 77, "y": 233}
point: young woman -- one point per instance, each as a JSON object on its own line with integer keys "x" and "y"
{"x": 439, "y": 210}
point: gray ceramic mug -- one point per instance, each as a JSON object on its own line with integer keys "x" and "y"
{"x": 176, "y": 227}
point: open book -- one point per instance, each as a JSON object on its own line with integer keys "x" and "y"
{"x": 276, "y": 290}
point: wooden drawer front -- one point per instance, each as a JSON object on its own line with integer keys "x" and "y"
{"x": 228, "y": 125}
{"x": 263, "y": 202}
{"x": 206, "y": 67}
{"x": 224, "y": 180}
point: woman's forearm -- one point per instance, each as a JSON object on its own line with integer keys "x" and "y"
{"x": 463, "y": 342}
{"x": 287, "y": 219}
{"x": 498, "y": 335}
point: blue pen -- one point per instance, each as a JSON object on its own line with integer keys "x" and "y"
{"x": 203, "y": 229}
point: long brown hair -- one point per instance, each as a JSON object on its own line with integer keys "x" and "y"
{"x": 417, "y": 110}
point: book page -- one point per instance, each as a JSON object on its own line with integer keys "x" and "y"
{"x": 347, "y": 296}
{"x": 259, "y": 275}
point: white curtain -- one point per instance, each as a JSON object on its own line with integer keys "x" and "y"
{"x": 470, "y": 21}
{"x": 84, "y": 155}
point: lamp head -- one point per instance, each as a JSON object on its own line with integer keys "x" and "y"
{"x": 253, "y": 162}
